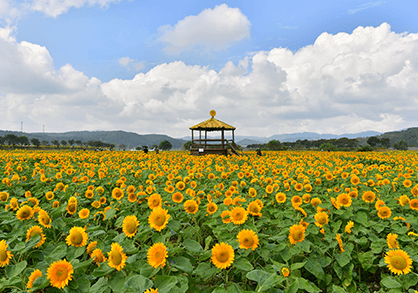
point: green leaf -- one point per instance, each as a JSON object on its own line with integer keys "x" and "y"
{"x": 338, "y": 289}
{"x": 297, "y": 265}
{"x": 137, "y": 283}
{"x": 102, "y": 270}
{"x": 205, "y": 271}
{"x": 264, "y": 279}
{"x": 14, "y": 270}
{"x": 293, "y": 288}
{"x": 361, "y": 218}
{"x": 31, "y": 243}
{"x": 83, "y": 264}
{"x": 100, "y": 286}
{"x": 409, "y": 280}
{"x": 74, "y": 252}
{"x": 390, "y": 282}
{"x": 366, "y": 259}
{"x": 308, "y": 286}
{"x": 313, "y": 266}
{"x": 234, "y": 288}
{"x": 243, "y": 264}
{"x": 40, "y": 283}
{"x": 182, "y": 263}
{"x": 58, "y": 253}
{"x": 192, "y": 246}
{"x": 83, "y": 284}
{"x": 117, "y": 281}
{"x": 343, "y": 258}
{"x": 165, "y": 283}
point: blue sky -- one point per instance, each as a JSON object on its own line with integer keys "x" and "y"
{"x": 161, "y": 66}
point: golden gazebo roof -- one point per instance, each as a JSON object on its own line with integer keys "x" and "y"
{"x": 212, "y": 124}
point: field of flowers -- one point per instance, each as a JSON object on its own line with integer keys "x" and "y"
{"x": 170, "y": 222}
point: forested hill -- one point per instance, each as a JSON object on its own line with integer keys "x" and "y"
{"x": 129, "y": 139}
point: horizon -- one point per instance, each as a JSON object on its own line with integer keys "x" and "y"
{"x": 160, "y": 67}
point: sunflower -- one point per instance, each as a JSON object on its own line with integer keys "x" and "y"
{"x": 316, "y": 202}
{"x": 222, "y": 255}
{"x": 5, "y": 255}
{"x": 407, "y": 183}
{"x": 154, "y": 201}
{"x": 77, "y": 237}
{"x": 413, "y": 204}
{"x": 157, "y": 255}
{"x": 180, "y": 185}
{"x": 59, "y": 273}
{"x": 97, "y": 256}
{"x": 344, "y": 200}
{"x": 369, "y": 196}
{"x": 238, "y": 215}
{"x": 254, "y": 208}
{"x": 129, "y": 226}
{"x": 321, "y": 219}
{"x": 298, "y": 186}
{"x": 296, "y": 200}
{"x": 24, "y": 213}
{"x": 285, "y": 272}
{"x": 4, "y": 196}
{"x": 403, "y": 200}
{"x": 296, "y": 233}
{"x": 269, "y": 189}
{"x": 384, "y": 212}
{"x": 348, "y": 227}
{"x": 35, "y": 274}
{"x": 252, "y": 192}
{"x": 55, "y": 204}
{"x": 227, "y": 201}
{"x": 280, "y": 197}
{"x": 354, "y": 180}
{"x": 36, "y": 230}
{"x": 71, "y": 208}
{"x": 158, "y": 218}
{"x": 117, "y": 193}
{"x": 398, "y": 261}
{"x": 306, "y": 198}
{"x": 117, "y": 258}
{"x": 151, "y": 291}
{"x": 340, "y": 242}
{"x": 247, "y": 239}
{"x": 44, "y": 219}
{"x": 211, "y": 208}
{"x": 379, "y": 203}
{"x": 84, "y": 213}
{"x": 177, "y": 197}
{"x": 392, "y": 242}
{"x": 191, "y": 206}
{"x": 92, "y": 246}
{"x": 226, "y": 217}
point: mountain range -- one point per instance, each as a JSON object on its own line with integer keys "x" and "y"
{"x": 133, "y": 140}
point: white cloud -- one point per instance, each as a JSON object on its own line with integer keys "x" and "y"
{"x": 365, "y": 6}
{"x": 214, "y": 29}
{"x": 366, "y": 80}
{"x": 131, "y": 64}
{"x": 54, "y": 8}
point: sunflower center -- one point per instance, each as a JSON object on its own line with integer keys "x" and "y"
{"x": 222, "y": 256}
{"x": 71, "y": 208}
{"x": 3, "y": 255}
{"x": 297, "y": 235}
{"x": 248, "y": 241}
{"x": 238, "y": 216}
{"x": 393, "y": 243}
{"x": 33, "y": 233}
{"x": 255, "y": 209}
{"x": 211, "y": 208}
{"x": 76, "y": 238}
{"x": 191, "y": 208}
{"x": 344, "y": 200}
{"x": 398, "y": 262}
{"x": 25, "y": 213}
{"x": 116, "y": 257}
{"x": 159, "y": 220}
{"x": 61, "y": 274}
{"x": 322, "y": 220}
{"x": 131, "y": 227}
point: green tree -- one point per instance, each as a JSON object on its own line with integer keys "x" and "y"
{"x": 36, "y": 142}
{"x": 187, "y": 145}
{"x": 327, "y": 146}
{"x": 385, "y": 142}
{"x": 56, "y": 143}
{"x": 274, "y": 145}
{"x": 2, "y": 140}
{"x": 165, "y": 145}
{"x": 45, "y": 142}
{"x": 71, "y": 142}
{"x": 402, "y": 145}
{"x": 11, "y": 139}
{"x": 373, "y": 141}
{"x": 63, "y": 142}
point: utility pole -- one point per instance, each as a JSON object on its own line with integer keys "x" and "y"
{"x": 21, "y": 126}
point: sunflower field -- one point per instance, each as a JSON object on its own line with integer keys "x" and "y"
{"x": 304, "y": 221}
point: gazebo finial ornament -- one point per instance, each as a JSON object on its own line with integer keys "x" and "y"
{"x": 212, "y": 113}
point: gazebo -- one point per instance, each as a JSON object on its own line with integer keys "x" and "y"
{"x": 202, "y": 145}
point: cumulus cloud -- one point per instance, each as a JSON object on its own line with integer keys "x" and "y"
{"x": 54, "y": 8}
{"x": 214, "y": 29}
{"x": 343, "y": 83}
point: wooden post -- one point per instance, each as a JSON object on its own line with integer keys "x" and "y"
{"x": 223, "y": 137}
